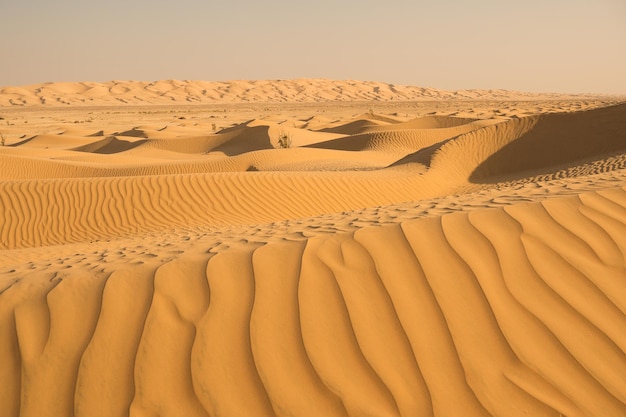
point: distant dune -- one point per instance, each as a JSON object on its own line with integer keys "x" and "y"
{"x": 173, "y": 92}
{"x": 457, "y": 260}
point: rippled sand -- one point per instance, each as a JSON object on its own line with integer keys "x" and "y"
{"x": 443, "y": 258}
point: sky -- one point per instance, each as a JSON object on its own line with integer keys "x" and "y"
{"x": 570, "y": 46}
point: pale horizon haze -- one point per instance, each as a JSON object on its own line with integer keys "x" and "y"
{"x": 535, "y": 46}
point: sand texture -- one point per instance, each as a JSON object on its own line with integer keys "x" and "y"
{"x": 444, "y": 258}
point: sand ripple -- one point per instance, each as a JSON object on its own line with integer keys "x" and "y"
{"x": 511, "y": 311}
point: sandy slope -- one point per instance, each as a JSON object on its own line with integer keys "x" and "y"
{"x": 477, "y": 314}
{"x": 90, "y": 188}
{"x": 467, "y": 262}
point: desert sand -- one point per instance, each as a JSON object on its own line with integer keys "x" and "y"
{"x": 412, "y": 252}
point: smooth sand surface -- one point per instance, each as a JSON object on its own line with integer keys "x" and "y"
{"x": 458, "y": 257}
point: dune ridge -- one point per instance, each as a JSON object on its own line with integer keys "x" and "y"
{"x": 176, "y": 92}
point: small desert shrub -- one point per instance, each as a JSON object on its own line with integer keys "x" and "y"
{"x": 284, "y": 140}
{"x": 2, "y": 139}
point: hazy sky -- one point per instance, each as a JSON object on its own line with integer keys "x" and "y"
{"x": 532, "y": 45}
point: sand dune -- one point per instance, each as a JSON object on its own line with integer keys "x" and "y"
{"x": 193, "y": 92}
{"x": 149, "y": 190}
{"x": 473, "y": 314}
{"x": 426, "y": 260}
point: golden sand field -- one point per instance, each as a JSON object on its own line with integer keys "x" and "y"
{"x": 412, "y": 252}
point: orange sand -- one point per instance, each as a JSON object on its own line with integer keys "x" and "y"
{"x": 458, "y": 257}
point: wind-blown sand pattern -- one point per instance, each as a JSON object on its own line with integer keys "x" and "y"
{"x": 429, "y": 259}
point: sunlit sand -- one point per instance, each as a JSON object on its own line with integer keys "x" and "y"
{"x": 412, "y": 252}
